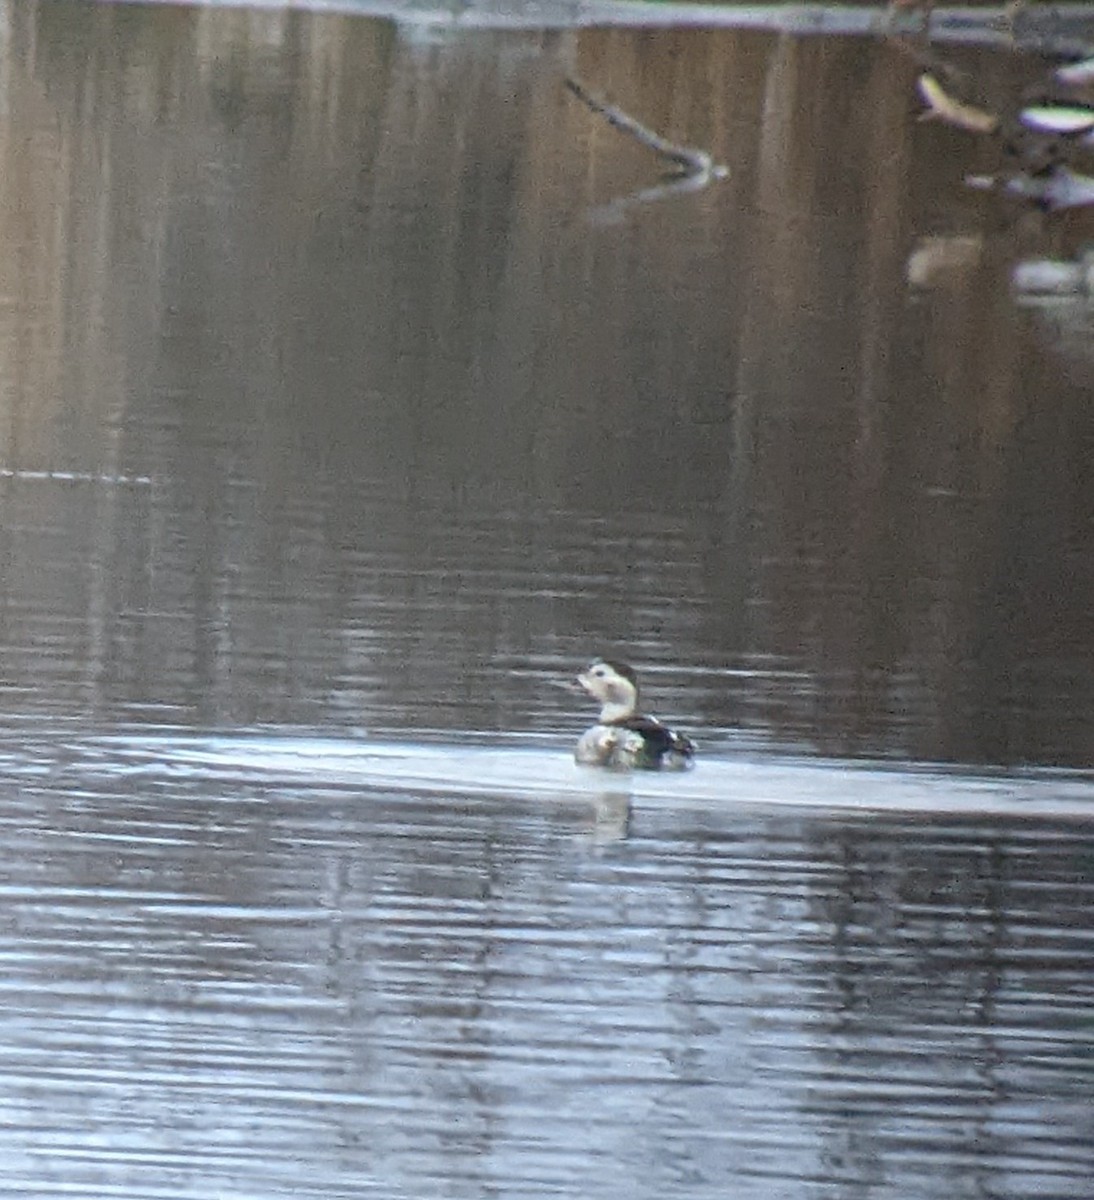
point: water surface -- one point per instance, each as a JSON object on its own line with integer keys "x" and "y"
{"x": 237, "y": 966}
{"x": 349, "y": 401}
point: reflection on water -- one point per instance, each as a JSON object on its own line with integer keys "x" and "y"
{"x": 326, "y": 410}
{"x": 422, "y": 437}
{"x": 221, "y": 979}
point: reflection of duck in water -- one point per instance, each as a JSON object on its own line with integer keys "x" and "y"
{"x": 623, "y": 738}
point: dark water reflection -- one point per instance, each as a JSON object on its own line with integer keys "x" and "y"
{"x": 359, "y": 432}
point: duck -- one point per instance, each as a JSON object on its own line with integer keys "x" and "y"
{"x": 623, "y": 738}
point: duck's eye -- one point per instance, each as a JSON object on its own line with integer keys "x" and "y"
{"x": 599, "y": 672}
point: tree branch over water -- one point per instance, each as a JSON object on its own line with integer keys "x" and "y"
{"x": 687, "y": 159}
{"x": 692, "y": 169}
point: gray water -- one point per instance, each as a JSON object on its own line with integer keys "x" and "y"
{"x": 353, "y": 392}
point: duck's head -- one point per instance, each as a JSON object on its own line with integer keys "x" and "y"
{"x": 614, "y": 685}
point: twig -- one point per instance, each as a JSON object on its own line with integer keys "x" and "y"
{"x": 688, "y": 160}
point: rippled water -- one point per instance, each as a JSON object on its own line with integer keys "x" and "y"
{"x": 337, "y": 430}
{"x": 241, "y": 966}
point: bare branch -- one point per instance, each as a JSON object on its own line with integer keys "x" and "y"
{"x": 687, "y": 159}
